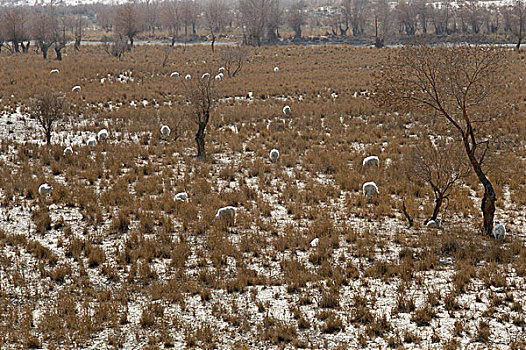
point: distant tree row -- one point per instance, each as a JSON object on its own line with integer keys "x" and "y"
{"x": 256, "y": 21}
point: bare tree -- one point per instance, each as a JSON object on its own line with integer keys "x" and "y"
{"x": 440, "y": 15}
{"x": 214, "y": 18}
{"x": 441, "y": 166}
{"x": 201, "y": 93}
{"x": 233, "y": 58}
{"x": 105, "y": 18}
{"x": 407, "y": 18}
{"x": 79, "y": 26}
{"x": 189, "y": 11}
{"x": 518, "y": 18}
{"x": 115, "y": 46}
{"x": 171, "y": 18}
{"x": 296, "y": 18}
{"x": 424, "y": 79}
{"x": 60, "y": 37}
{"x": 127, "y": 22}
{"x": 150, "y": 15}
{"x": 48, "y": 108}
{"x": 382, "y": 22}
{"x": 43, "y": 32}
{"x": 13, "y": 26}
{"x": 259, "y": 18}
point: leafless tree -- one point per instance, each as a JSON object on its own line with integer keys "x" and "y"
{"x": 189, "y": 12}
{"x": 382, "y": 22}
{"x": 233, "y": 58}
{"x": 171, "y": 18}
{"x": 201, "y": 94}
{"x": 105, "y": 18}
{"x": 43, "y": 31}
{"x": 440, "y": 15}
{"x": 296, "y": 18}
{"x": 60, "y": 38}
{"x": 440, "y": 166}
{"x": 79, "y": 26}
{"x": 518, "y": 18}
{"x": 14, "y": 28}
{"x": 407, "y": 18}
{"x": 48, "y": 108}
{"x": 214, "y": 17}
{"x": 423, "y": 79}
{"x": 127, "y": 22}
{"x": 115, "y": 46}
{"x": 259, "y": 18}
{"x": 150, "y": 11}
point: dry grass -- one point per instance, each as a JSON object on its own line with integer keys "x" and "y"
{"x": 112, "y": 257}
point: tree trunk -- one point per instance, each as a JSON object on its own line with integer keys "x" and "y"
{"x": 48, "y": 136}
{"x": 131, "y": 41}
{"x": 77, "y": 44}
{"x": 44, "y": 51}
{"x": 488, "y": 201}
{"x": 200, "y": 140}
{"x": 58, "y": 51}
{"x": 438, "y": 204}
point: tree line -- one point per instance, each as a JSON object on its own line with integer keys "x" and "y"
{"x": 255, "y": 22}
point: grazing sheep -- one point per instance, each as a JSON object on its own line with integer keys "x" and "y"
{"x": 181, "y": 197}
{"x": 315, "y": 242}
{"x": 499, "y": 231}
{"x": 175, "y": 75}
{"x": 286, "y": 111}
{"x": 102, "y": 135}
{"x": 53, "y": 71}
{"x": 205, "y": 76}
{"x": 187, "y": 77}
{"x": 228, "y": 214}
{"x": 276, "y": 69}
{"x": 221, "y": 69}
{"x": 45, "y": 189}
{"x": 218, "y": 77}
{"x": 165, "y": 131}
{"x": 250, "y": 94}
{"x": 370, "y": 189}
{"x": 76, "y": 89}
{"x": 68, "y": 151}
{"x": 274, "y": 155}
{"x": 92, "y": 142}
{"x": 370, "y": 161}
{"x": 434, "y": 223}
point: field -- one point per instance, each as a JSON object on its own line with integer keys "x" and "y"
{"x": 111, "y": 260}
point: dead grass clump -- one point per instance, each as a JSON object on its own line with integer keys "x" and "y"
{"x": 277, "y": 332}
{"x": 41, "y": 219}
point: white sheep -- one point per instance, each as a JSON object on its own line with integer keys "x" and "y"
{"x": 53, "y": 71}
{"x": 499, "y": 231}
{"x": 68, "y": 151}
{"x": 45, "y": 189}
{"x": 276, "y": 69}
{"x": 370, "y": 189}
{"x": 76, "y": 89}
{"x": 187, "y": 77}
{"x": 165, "y": 131}
{"x": 221, "y": 69}
{"x": 286, "y": 110}
{"x": 274, "y": 155}
{"x": 92, "y": 142}
{"x": 205, "y": 76}
{"x": 250, "y": 94}
{"x": 370, "y": 161}
{"x": 181, "y": 197}
{"x": 315, "y": 242}
{"x": 434, "y": 223}
{"x": 228, "y": 214}
{"x": 102, "y": 135}
{"x": 174, "y": 75}
{"x": 218, "y": 77}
